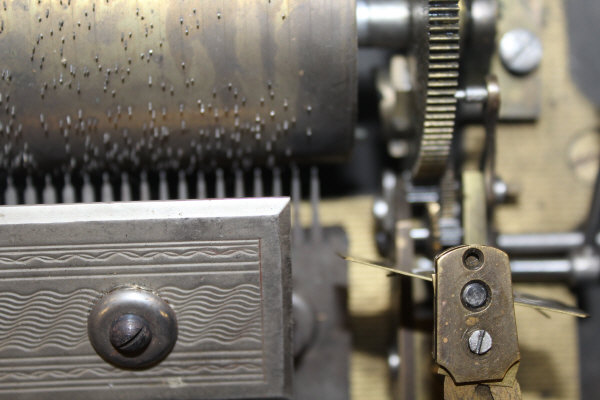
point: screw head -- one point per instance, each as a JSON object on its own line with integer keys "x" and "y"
{"x": 380, "y": 209}
{"x": 520, "y": 51}
{"x": 474, "y": 294}
{"x": 480, "y": 342}
{"x": 130, "y": 335}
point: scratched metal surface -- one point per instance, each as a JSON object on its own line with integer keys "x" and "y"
{"x": 156, "y": 83}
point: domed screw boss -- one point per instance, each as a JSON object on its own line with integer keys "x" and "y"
{"x": 132, "y": 328}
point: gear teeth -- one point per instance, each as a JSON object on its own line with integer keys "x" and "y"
{"x": 443, "y": 65}
{"x": 442, "y": 82}
{"x": 440, "y": 109}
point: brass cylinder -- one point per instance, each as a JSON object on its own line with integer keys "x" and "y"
{"x": 171, "y": 84}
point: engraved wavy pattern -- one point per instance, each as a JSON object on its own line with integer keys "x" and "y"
{"x": 106, "y": 371}
{"x": 206, "y": 314}
{"x": 45, "y": 319}
{"x": 211, "y": 314}
{"x": 133, "y": 254}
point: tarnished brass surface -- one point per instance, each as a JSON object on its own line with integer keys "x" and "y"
{"x": 98, "y": 84}
{"x": 522, "y": 94}
{"x": 454, "y": 321}
{"x": 474, "y": 205}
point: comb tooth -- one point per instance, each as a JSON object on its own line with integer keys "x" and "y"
{"x": 239, "y": 183}
{"x": 125, "y": 187}
{"x": 315, "y": 194}
{"x": 11, "y": 196}
{"x": 258, "y": 183}
{"x": 49, "y": 195}
{"x": 144, "y": 187}
{"x": 30, "y": 193}
{"x": 68, "y": 192}
{"x": 200, "y": 185}
{"x": 87, "y": 191}
{"x": 107, "y": 190}
{"x": 297, "y": 233}
{"x": 163, "y": 186}
{"x": 220, "y": 184}
{"x": 182, "y": 187}
{"x": 277, "y": 188}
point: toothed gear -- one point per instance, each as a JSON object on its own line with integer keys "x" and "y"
{"x": 439, "y": 52}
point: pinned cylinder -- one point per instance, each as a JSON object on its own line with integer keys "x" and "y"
{"x": 175, "y": 84}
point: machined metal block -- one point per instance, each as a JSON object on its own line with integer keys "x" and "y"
{"x": 223, "y": 266}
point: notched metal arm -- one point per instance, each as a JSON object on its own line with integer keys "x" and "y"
{"x": 475, "y": 326}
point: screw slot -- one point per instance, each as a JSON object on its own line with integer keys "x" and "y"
{"x": 130, "y": 335}
{"x": 473, "y": 259}
{"x": 480, "y": 342}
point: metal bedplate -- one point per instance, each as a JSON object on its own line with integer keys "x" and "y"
{"x": 222, "y": 265}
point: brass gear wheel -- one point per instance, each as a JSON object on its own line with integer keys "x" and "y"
{"x": 438, "y": 56}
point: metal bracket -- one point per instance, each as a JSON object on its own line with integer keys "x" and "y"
{"x": 475, "y": 326}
